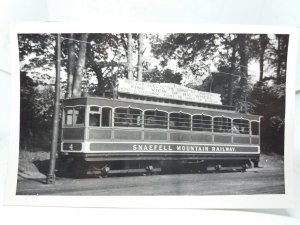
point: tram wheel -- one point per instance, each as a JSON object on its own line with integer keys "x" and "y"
{"x": 244, "y": 167}
{"x": 255, "y": 164}
{"x": 218, "y": 167}
{"x": 149, "y": 170}
{"x": 104, "y": 172}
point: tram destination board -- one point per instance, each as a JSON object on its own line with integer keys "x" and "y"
{"x": 167, "y": 91}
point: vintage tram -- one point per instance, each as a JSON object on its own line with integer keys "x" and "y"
{"x": 152, "y": 125}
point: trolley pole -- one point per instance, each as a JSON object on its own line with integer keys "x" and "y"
{"x": 51, "y": 174}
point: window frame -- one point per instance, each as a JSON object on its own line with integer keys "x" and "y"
{"x": 85, "y": 115}
{"x": 156, "y": 110}
{"x": 73, "y": 116}
{"x": 64, "y": 116}
{"x": 202, "y": 114}
{"x": 112, "y": 116}
{"x": 180, "y": 112}
{"x": 241, "y": 118}
{"x": 94, "y": 112}
{"x": 220, "y": 132}
{"x": 139, "y": 125}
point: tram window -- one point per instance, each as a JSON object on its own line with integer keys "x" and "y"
{"x": 202, "y": 123}
{"x": 180, "y": 121}
{"x": 156, "y": 119}
{"x": 94, "y": 118}
{"x": 254, "y": 128}
{"x": 222, "y": 124}
{"x": 79, "y": 113}
{"x": 69, "y": 116}
{"x": 128, "y": 117}
{"x": 106, "y": 117}
{"x": 240, "y": 126}
{"x": 95, "y": 109}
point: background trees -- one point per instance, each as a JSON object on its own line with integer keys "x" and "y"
{"x": 248, "y": 70}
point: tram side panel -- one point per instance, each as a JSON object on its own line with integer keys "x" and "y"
{"x": 107, "y": 143}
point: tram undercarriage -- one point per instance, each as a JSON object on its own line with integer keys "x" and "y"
{"x": 81, "y": 165}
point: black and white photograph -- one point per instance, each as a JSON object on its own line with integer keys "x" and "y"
{"x": 152, "y": 113}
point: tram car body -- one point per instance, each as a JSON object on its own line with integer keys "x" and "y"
{"x": 157, "y": 132}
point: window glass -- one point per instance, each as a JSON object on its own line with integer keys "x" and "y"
{"x": 202, "y": 123}
{"x": 79, "y": 112}
{"x": 240, "y": 126}
{"x": 106, "y": 117}
{"x": 156, "y": 119}
{"x": 95, "y": 109}
{"x": 128, "y": 117}
{"x": 222, "y": 125}
{"x": 180, "y": 121}
{"x": 254, "y": 128}
{"x": 94, "y": 117}
{"x": 69, "y": 116}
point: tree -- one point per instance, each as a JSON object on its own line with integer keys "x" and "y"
{"x": 71, "y": 65}
{"x": 281, "y": 57}
{"x": 36, "y": 109}
{"x": 263, "y": 44}
{"x": 162, "y": 76}
{"x": 140, "y": 57}
{"x": 269, "y": 101}
{"x": 189, "y": 50}
{"x": 106, "y": 58}
{"x": 37, "y": 51}
{"x": 80, "y": 66}
{"x": 129, "y": 57}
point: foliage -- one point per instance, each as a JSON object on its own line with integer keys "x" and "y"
{"x": 189, "y": 50}
{"x": 162, "y": 76}
{"x": 36, "y": 111}
{"x": 269, "y": 102}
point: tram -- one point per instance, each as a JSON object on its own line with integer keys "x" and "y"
{"x": 153, "y": 125}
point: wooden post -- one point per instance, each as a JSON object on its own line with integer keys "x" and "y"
{"x": 51, "y": 174}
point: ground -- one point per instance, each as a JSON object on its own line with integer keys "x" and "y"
{"x": 269, "y": 179}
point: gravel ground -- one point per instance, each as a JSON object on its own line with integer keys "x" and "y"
{"x": 269, "y": 179}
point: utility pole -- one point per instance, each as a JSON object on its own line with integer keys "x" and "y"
{"x": 51, "y": 174}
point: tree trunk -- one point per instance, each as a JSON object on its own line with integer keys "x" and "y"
{"x": 232, "y": 70}
{"x": 243, "y": 52}
{"x": 279, "y": 52}
{"x": 129, "y": 57}
{"x": 97, "y": 69}
{"x": 243, "y": 55}
{"x": 100, "y": 84}
{"x": 80, "y": 66}
{"x": 263, "y": 41}
{"x": 71, "y": 65}
{"x": 140, "y": 57}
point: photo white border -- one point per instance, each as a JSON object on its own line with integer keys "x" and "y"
{"x": 220, "y": 201}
